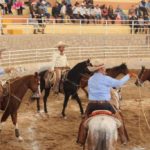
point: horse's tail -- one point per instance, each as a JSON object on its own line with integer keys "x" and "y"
{"x": 102, "y": 142}
{"x": 102, "y": 132}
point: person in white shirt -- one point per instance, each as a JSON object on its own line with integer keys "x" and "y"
{"x": 59, "y": 62}
{"x": 76, "y": 10}
{"x": 63, "y": 11}
{"x": 82, "y": 12}
{"x": 97, "y": 12}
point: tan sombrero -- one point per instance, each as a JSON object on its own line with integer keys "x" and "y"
{"x": 60, "y": 43}
{"x": 97, "y": 64}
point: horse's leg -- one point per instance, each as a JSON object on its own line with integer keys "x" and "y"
{"x": 83, "y": 88}
{"x": 14, "y": 120}
{"x": 38, "y": 99}
{"x": 4, "y": 118}
{"x": 38, "y": 104}
{"x": 47, "y": 91}
{"x": 67, "y": 95}
{"x": 79, "y": 102}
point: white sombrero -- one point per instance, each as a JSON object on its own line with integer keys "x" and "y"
{"x": 97, "y": 64}
{"x": 60, "y": 43}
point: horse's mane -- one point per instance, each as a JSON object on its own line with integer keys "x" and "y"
{"x": 141, "y": 72}
{"x": 77, "y": 70}
{"x": 116, "y": 68}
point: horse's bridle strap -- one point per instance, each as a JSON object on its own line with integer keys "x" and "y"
{"x": 17, "y": 98}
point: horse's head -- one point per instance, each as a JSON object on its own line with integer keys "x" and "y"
{"x": 34, "y": 82}
{"x": 142, "y": 76}
{"x": 87, "y": 63}
{"x": 124, "y": 69}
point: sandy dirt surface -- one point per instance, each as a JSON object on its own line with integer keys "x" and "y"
{"x": 56, "y": 133}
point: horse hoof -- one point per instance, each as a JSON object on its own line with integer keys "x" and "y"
{"x": 20, "y": 139}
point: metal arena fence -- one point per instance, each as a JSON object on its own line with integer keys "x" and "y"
{"x": 28, "y": 56}
{"x": 75, "y": 25}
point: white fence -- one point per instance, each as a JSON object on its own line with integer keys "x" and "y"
{"x": 20, "y": 57}
{"x": 56, "y": 26}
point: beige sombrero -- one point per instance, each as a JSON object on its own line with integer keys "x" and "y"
{"x": 97, "y": 64}
{"x": 60, "y": 43}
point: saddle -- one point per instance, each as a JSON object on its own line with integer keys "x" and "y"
{"x": 49, "y": 78}
{"x": 102, "y": 113}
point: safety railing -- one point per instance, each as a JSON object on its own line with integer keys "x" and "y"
{"x": 79, "y": 25}
{"x": 19, "y": 57}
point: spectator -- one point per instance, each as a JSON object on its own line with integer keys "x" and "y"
{"x": 119, "y": 13}
{"x": 69, "y": 11}
{"x": 3, "y": 6}
{"x": 91, "y": 13}
{"x": 63, "y": 11}
{"x": 137, "y": 11}
{"x": 104, "y": 12}
{"x": 9, "y": 5}
{"x": 131, "y": 11}
{"x": 56, "y": 11}
{"x": 43, "y": 6}
{"x": 142, "y": 7}
{"x": 111, "y": 14}
{"x": 146, "y": 24}
{"x": 82, "y": 13}
{"x": 148, "y": 7}
{"x": 133, "y": 22}
{"x": 76, "y": 11}
{"x": 98, "y": 14}
{"x": 18, "y": 5}
{"x": 141, "y": 24}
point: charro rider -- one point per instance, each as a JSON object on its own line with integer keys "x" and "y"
{"x": 99, "y": 88}
{"x": 3, "y": 71}
{"x": 59, "y": 62}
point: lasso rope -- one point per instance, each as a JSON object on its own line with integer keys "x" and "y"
{"x": 144, "y": 114}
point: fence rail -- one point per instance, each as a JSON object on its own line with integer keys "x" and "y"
{"x": 74, "y": 25}
{"x": 19, "y": 57}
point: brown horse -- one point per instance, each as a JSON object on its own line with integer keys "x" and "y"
{"x": 11, "y": 102}
{"x": 112, "y": 72}
{"x": 143, "y": 76}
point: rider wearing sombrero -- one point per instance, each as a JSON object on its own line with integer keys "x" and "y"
{"x": 99, "y": 88}
{"x": 59, "y": 62}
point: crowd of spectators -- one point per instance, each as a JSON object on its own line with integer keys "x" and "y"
{"x": 138, "y": 16}
{"x": 7, "y": 5}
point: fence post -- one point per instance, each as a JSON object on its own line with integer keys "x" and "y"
{"x": 128, "y": 52}
{"x": 9, "y": 57}
{"x": 1, "y": 28}
{"x": 133, "y": 27}
{"x": 80, "y": 26}
{"x": 106, "y": 27}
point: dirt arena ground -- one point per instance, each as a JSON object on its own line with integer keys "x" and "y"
{"x": 55, "y": 133}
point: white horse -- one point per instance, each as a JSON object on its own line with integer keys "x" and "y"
{"x": 102, "y": 132}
